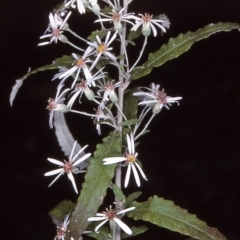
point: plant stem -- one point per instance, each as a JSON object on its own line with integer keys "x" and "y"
{"x": 124, "y": 83}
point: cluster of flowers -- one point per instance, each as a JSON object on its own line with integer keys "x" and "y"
{"x": 90, "y": 80}
{"x": 110, "y": 215}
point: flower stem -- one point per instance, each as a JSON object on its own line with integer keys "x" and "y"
{"x": 140, "y": 55}
{"x": 78, "y": 48}
{"x": 145, "y": 127}
{"x": 77, "y": 36}
{"x": 124, "y": 83}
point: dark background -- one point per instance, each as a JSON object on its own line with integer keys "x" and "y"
{"x": 192, "y": 154}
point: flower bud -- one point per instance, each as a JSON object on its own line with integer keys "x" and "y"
{"x": 65, "y": 26}
{"x": 64, "y": 39}
{"x": 61, "y": 108}
{"x": 113, "y": 97}
{"x": 146, "y": 29}
{"x": 118, "y": 26}
{"x": 89, "y": 94}
{"x": 157, "y": 108}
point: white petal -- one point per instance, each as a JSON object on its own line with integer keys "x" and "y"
{"x": 129, "y": 144}
{"x": 123, "y": 226}
{"x": 100, "y": 215}
{"x": 159, "y": 25}
{"x": 132, "y": 144}
{"x": 153, "y": 29}
{"x": 70, "y": 158}
{"x": 54, "y": 172}
{"x": 135, "y": 173}
{"x": 55, "y": 161}
{"x": 110, "y": 55}
{"x": 80, "y": 6}
{"x": 82, "y": 159}
{"x": 69, "y": 72}
{"x": 107, "y": 37}
{"x": 113, "y": 37}
{"x": 81, "y": 150}
{"x": 93, "y": 219}
{"x": 96, "y": 229}
{"x": 71, "y": 178}
{"x": 127, "y": 176}
{"x": 113, "y": 160}
{"x": 55, "y": 178}
{"x": 126, "y": 210}
{"x": 141, "y": 171}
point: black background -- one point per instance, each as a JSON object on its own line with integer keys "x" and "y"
{"x": 191, "y": 155}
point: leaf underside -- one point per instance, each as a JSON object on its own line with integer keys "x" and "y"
{"x": 166, "y": 214}
{"x": 64, "y": 61}
{"x": 97, "y": 180}
{"x": 179, "y": 45}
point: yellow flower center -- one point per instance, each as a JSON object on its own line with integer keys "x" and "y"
{"x": 130, "y": 158}
{"x": 101, "y": 48}
{"x": 80, "y": 62}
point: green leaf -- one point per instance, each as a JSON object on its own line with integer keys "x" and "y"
{"x": 177, "y": 46}
{"x": 131, "y": 197}
{"x": 130, "y": 122}
{"x": 130, "y": 105}
{"x": 65, "y": 61}
{"x": 134, "y": 34}
{"x": 135, "y": 231}
{"x": 100, "y": 33}
{"x": 118, "y": 193}
{"x": 165, "y": 214}
{"x": 94, "y": 188}
{"x": 58, "y": 213}
{"x": 62, "y": 209}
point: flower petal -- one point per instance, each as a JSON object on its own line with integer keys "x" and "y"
{"x": 126, "y": 210}
{"x": 93, "y": 219}
{"x": 123, "y": 226}
{"x": 54, "y": 180}
{"x": 113, "y": 160}
{"x": 98, "y": 226}
{"x": 71, "y": 178}
{"x": 141, "y": 171}
{"x": 127, "y": 175}
{"x": 55, "y": 161}
{"x": 54, "y": 172}
{"x": 129, "y": 144}
{"x": 82, "y": 159}
{"x": 135, "y": 173}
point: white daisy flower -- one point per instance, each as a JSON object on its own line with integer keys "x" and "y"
{"x": 109, "y": 92}
{"x": 156, "y": 98}
{"x": 55, "y": 29}
{"x": 68, "y": 167}
{"x": 103, "y": 47}
{"x": 80, "y": 88}
{"x": 117, "y": 18}
{"x": 148, "y": 23}
{"x": 61, "y": 231}
{"x": 79, "y": 65}
{"x": 111, "y": 216}
{"x": 56, "y": 104}
{"x": 130, "y": 160}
